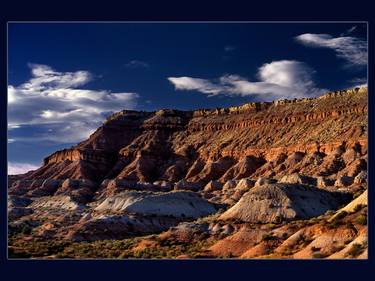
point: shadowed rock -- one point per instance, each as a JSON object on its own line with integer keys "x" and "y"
{"x": 298, "y": 179}
{"x": 213, "y": 186}
{"x": 361, "y": 177}
{"x": 343, "y": 181}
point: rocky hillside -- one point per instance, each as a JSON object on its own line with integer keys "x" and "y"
{"x": 148, "y": 172}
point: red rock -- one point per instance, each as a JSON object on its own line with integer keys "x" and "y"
{"x": 256, "y": 139}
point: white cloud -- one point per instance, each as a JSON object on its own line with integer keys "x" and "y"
{"x": 20, "y": 168}
{"x": 53, "y": 100}
{"x": 352, "y": 49}
{"x": 201, "y": 85}
{"x": 278, "y": 79}
{"x": 45, "y": 77}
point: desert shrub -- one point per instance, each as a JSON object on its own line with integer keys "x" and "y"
{"x": 346, "y": 242}
{"x": 37, "y": 248}
{"x": 355, "y": 250}
{"x": 336, "y": 222}
{"x": 312, "y": 221}
{"x": 357, "y": 193}
{"x": 26, "y": 230}
{"x": 148, "y": 253}
{"x": 362, "y": 219}
{"x": 22, "y": 230}
{"x": 279, "y": 219}
{"x": 350, "y": 225}
{"x": 341, "y": 215}
{"x": 287, "y": 252}
{"x": 269, "y": 251}
{"x": 271, "y": 225}
{"x": 358, "y": 208}
{"x": 169, "y": 249}
{"x": 315, "y": 249}
{"x": 228, "y": 256}
{"x": 18, "y": 255}
{"x": 337, "y": 248}
{"x": 318, "y": 255}
{"x": 330, "y": 212}
{"x": 223, "y": 235}
{"x": 304, "y": 241}
{"x": 268, "y": 237}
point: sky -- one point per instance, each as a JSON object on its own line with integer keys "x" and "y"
{"x": 64, "y": 79}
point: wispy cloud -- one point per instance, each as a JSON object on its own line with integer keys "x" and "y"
{"x": 349, "y": 31}
{"x": 56, "y": 109}
{"x": 358, "y": 82}
{"x": 278, "y": 79}
{"x": 351, "y": 49}
{"x": 229, "y": 48}
{"x": 137, "y": 64}
{"x": 20, "y": 168}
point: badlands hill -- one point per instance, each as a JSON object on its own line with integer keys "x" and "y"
{"x": 217, "y": 172}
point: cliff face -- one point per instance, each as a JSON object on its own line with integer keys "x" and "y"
{"x": 304, "y": 135}
{"x": 261, "y": 175}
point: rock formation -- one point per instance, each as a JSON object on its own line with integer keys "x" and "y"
{"x": 239, "y": 180}
{"x": 177, "y": 204}
{"x": 277, "y": 202}
{"x": 314, "y": 137}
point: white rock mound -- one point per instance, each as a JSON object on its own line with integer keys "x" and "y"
{"x": 179, "y": 204}
{"x": 275, "y": 202}
{"x": 297, "y": 179}
{"x": 57, "y": 202}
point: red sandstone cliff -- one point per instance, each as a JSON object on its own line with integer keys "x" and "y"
{"x": 316, "y": 136}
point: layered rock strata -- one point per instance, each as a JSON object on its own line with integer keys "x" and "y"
{"x": 324, "y": 136}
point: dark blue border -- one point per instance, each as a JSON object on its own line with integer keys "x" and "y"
{"x": 176, "y": 11}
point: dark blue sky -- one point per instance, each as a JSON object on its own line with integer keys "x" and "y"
{"x": 139, "y": 58}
